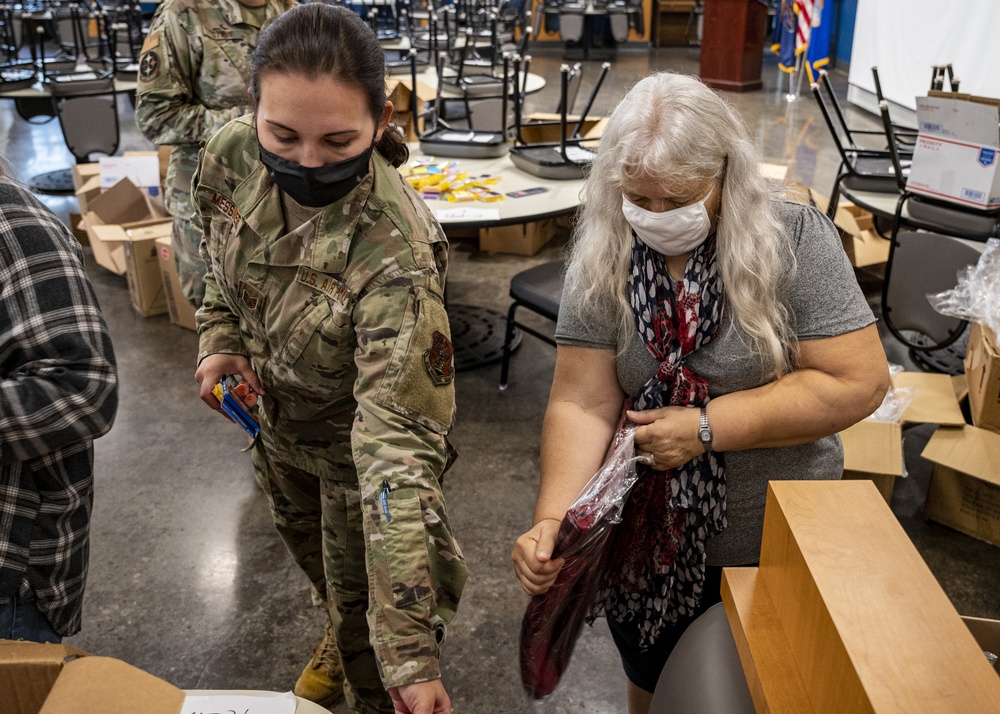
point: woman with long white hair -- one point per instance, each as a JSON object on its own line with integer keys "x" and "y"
{"x": 729, "y": 323}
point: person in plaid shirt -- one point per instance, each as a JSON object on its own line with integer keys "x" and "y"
{"x": 58, "y": 392}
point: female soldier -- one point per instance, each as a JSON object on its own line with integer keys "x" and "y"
{"x": 733, "y": 321}
{"x": 325, "y": 291}
{"x": 193, "y": 78}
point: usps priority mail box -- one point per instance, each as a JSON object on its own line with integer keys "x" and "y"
{"x": 958, "y": 151}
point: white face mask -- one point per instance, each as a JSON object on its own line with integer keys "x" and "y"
{"x": 673, "y": 232}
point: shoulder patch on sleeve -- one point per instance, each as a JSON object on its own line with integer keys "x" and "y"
{"x": 439, "y": 359}
{"x": 419, "y": 383}
{"x": 149, "y": 66}
{"x": 151, "y": 42}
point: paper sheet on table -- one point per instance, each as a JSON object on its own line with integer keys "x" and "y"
{"x": 468, "y": 214}
{"x": 261, "y": 703}
{"x": 576, "y": 153}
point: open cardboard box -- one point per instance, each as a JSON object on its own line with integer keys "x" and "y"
{"x": 58, "y": 679}
{"x": 982, "y": 370}
{"x": 399, "y": 90}
{"x": 874, "y": 449}
{"x": 863, "y": 245}
{"x": 182, "y": 312}
{"x": 111, "y": 217}
{"x": 987, "y": 634}
{"x": 533, "y": 131}
{"x": 965, "y": 484}
{"x": 86, "y": 184}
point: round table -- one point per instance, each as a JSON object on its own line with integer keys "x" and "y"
{"x": 478, "y": 332}
{"x": 559, "y": 198}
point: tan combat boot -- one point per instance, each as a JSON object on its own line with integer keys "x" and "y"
{"x": 322, "y": 681}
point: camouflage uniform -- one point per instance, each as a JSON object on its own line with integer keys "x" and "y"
{"x": 344, "y": 321}
{"x": 193, "y": 77}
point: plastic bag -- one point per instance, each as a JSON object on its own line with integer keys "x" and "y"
{"x": 552, "y": 622}
{"x": 894, "y": 404}
{"x": 977, "y": 294}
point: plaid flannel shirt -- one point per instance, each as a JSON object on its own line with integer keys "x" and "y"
{"x": 58, "y": 392}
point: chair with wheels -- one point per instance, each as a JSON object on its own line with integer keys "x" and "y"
{"x": 925, "y": 262}
{"x": 538, "y": 289}
{"x": 703, "y": 674}
{"x": 922, "y": 264}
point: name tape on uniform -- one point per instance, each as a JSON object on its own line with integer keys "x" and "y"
{"x": 324, "y": 283}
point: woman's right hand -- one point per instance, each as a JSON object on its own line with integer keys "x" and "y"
{"x": 532, "y": 556}
{"x": 214, "y": 367}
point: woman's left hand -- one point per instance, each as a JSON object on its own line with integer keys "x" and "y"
{"x": 669, "y": 435}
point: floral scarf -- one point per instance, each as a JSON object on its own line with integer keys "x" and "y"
{"x": 669, "y": 515}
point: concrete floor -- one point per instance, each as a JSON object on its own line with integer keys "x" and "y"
{"x": 188, "y": 579}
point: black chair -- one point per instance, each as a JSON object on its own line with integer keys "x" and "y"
{"x": 567, "y": 158}
{"x": 922, "y": 264}
{"x": 88, "y": 116}
{"x": 861, "y": 169}
{"x": 538, "y": 289}
{"x": 925, "y": 262}
{"x": 906, "y": 137}
{"x": 703, "y": 674}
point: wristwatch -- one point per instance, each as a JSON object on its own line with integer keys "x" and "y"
{"x": 705, "y": 432}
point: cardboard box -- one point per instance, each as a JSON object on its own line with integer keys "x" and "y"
{"x": 957, "y": 155}
{"x": 86, "y": 184}
{"x": 399, "y": 93}
{"x": 987, "y": 634}
{"x": 145, "y": 285}
{"x": 863, "y": 245}
{"x": 520, "y": 239}
{"x": 112, "y": 215}
{"x": 982, "y": 372}
{"x": 181, "y": 311}
{"x": 162, "y": 155}
{"x": 58, "y": 679}
{"x": 74, "y": 227}
{"x": 873, "y": 450}
{"x": 965, "y": 484}
{"x": 534, "y": 132}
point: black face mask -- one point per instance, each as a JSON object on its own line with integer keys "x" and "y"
{"x": 320, "y": 186}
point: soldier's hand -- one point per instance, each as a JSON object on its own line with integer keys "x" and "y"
{"x": 532, "y": 556}
{"x": 422, "y": 698}
{"x": 214, "y": 367}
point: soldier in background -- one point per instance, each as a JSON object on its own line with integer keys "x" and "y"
{"x": 193, "y": 78}
{"x": 325, "y": 291}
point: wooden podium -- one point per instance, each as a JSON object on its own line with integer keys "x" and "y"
{"x": 844, "y": 616}
{"x": 732, "y": 44}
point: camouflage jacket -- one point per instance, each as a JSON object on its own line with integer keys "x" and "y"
{"x": 344, "y": 321}
{"x": 193, "y": 77}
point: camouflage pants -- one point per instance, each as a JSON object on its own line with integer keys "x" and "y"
{"x": 320, "y": 522}
{"x": 186, "y": 239}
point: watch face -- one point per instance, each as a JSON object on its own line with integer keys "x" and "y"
{"x": 705, "y": 434}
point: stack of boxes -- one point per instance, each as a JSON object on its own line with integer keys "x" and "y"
{"x": 123, "y": 221}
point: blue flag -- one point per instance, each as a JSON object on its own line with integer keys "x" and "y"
{"x": 784, "y": 36}
{"x": 818, "y": 53}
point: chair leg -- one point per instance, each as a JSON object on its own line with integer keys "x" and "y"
{"x": 508, "y": 338}
{"x": 831, "y": 211}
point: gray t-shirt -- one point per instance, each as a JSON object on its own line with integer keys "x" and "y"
{"x": 824, "y": 300}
